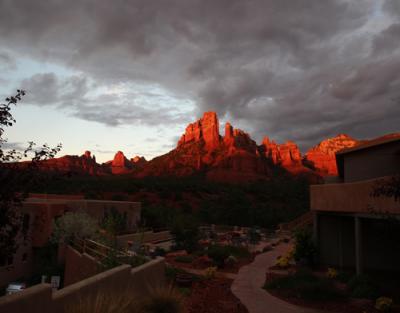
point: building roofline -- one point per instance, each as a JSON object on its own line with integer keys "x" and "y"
{"x": 370, "y": 144}
{"x": 366, "y": 145}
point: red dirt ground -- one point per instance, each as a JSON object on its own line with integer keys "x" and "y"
{"x": 198, "y": 266}
{"x": 213, "y": 296}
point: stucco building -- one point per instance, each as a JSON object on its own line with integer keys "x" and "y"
{"x": 39, "y": 212}
{"x": 352, "y": 227}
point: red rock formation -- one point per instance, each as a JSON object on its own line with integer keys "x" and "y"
{"x": 322, "y": 157}
{"x": 289, "y": 154}
{"x": 271, "y": 150}
{"x": 201, "y": 149}
{"x": 204, "y": 130}
{"x": 120, "y": 164}
{"x": 286, "y": 155}
{"x": 73, "y": 164}
{"x": 138, "y": 161}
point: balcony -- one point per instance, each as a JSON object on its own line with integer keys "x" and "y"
{"x": 351, "y": 198}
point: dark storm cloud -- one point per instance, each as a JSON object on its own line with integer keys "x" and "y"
{"x": 297, "y": 70}
{"x": 392, "y": 7}
{"x": 72, "y": 94}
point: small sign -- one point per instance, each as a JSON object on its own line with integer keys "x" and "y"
{"x": 55, "y": 282}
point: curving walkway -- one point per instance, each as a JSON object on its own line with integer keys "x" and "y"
{"x": 247, "y": 286}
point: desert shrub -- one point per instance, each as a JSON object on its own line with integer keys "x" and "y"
{"x": 113, "y": 221}
{"x": 332, "y": 273}
{"x": 305, "y": 249}
{"x": 186, "y": 232}
{"x": 231, "y": 260}
{"x": 210, "y": 272}
{"x": 282, "y": 262}
{"x": 161, "y": 300}
{"x": 171, "y": 272}
{"x": 253, "y": 235}
{"x": 74, "y": 225}
{"x": 103, "y": 301}
{"x": 184, "y": 291}
{"x": 220, "y": 253}
{"x": 362, "y": 286}
{"x": 305, "y": 285}
{"x": 159, "y": 251}
{"x": 383, "y": 304}
{"x": 184, "y": 259}
{"x": 344, "y": 276}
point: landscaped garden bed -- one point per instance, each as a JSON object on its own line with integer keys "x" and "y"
{"x": 228, "y": 259}
{"x": 204, "y": 294}
{"x": 213, "y": 296}
{"x": 296, "y": 279}
{"x": 330, "y": 291}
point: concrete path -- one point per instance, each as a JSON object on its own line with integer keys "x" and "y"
{"x": 247, "y": 286}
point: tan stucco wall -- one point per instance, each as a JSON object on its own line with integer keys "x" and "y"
{"x": 378, "y": 161}
{"x": 78, "y": 266}
{"x": 43, "y": 209}
{"x": 350, "y": 197}
{"x": 139, "y": 281}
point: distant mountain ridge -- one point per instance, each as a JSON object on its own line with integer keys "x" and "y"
{"x": 231, "y": 157}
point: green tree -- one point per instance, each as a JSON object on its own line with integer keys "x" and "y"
{"x": 14, "y": 181}
{"x": 74, "y": 225}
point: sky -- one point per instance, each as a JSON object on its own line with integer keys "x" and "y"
{"x": 130, "y": 75}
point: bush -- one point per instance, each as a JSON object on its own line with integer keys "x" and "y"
{"x": 184, "y": 259}
{"x": 231, "y": 261}
{"x": 383, "y": 304}
{"x": 210, "y": 272}
{"x": 220, "y": 253}
{"x": 74, "y": 225}
{"x": 344, "y": 276}
{"x": 305, "y": 285}
{"x": 282, "y": 262}
{"x": 161, "y": 300}
{"x": 159, "y": 251}
{"x": 332, "y": 273}
{"x": 362, "y": 286}
{"x": 305, "y": 249}
{"x": 104, "y": 301}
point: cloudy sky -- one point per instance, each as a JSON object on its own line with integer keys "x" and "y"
{"x": 129, "y": 75}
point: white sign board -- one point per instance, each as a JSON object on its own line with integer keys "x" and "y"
{"x": 55, "y": 282}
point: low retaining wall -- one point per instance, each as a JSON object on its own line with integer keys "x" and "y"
{"x": 40, "y": 298}
{"x": 78, "y": 266}
{"x": 145, "y": 237}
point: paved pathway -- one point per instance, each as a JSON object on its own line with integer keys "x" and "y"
{"x": 249, "y": 282}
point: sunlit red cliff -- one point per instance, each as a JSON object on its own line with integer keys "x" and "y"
{"x": 233, "y": 156}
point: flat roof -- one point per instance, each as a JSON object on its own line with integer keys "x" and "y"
{"x": 387, "y": 139}
{"x": 371, "y": 143}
